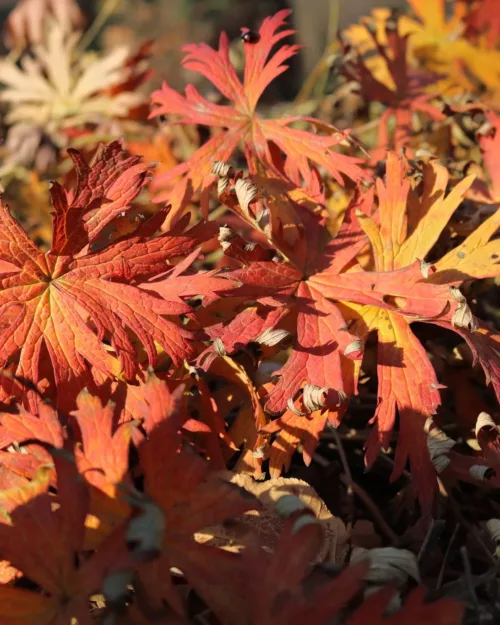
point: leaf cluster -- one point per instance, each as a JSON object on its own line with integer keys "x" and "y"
{"x": 175, "y": 339}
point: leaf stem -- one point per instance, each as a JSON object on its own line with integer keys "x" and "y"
{"x": 102, "y": 17}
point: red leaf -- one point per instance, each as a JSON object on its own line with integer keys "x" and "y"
{"x": 239, "y": 121}
{"x": 62, "y": 307}
{"x": 408, "y": 95}
{"x": 53, "y": 558}
{"x": 104, "y": 190}
{"x": 189, "y": 496}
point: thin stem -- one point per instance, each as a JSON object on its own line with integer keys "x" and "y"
{"x": 468, "y": 576}
{"x": 371, "y": 506}
{"x": 108, "y": 8}
{"x": 375, "y": 513}
{"x": 446, "y": 556}
{"x": 323, "y": 65}
{"x": 464, "y": 523}
{"x": 347, "y": 473}
{"x": 432, "y": 536}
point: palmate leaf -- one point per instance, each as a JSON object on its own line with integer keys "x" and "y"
{"x": 308, "y": 285}
{"x": 282, "y": 588}
{"x": 404, "y": 94}
{"x": 256, "y": 595}
{"x": 409, "y": 226}
{"x": 190, "y": 496}
{"x": 438, "y": 42}
{"x": 238, "y": 121}
{"x": 21, "y": 426}
{"x": 102, "y": 456}
{"x": 338, "y": 304}
{"x": 483, "y": 16}
{"x": 59, "y": 308}
{"x": 43, "y": 535}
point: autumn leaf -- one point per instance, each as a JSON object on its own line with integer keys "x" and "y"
{"x": 484, "y": 344}
{"x": 60, "y": 89}
{"x": 238, "y": 121}
{"x": 18, "y": 427}
{"x": 59, "y": 308}
{"x": 102, "y": 456}
{"x": 404, "y": 92}
{"x": 180, "y": 483}
{"x": 324, "y": 360}
{"x": 53, "y": 558}
{"x": 406, "y": 378}
{"x": 484, "y": 18}
{"x": 486, "y": 187}
{"x": 244, "y": 432}
{"x": 439, "y": 43}
{"x": 454, "y": 467}
{"x": 288, "y": 294}
{"x": 294, "y": 428}
{"x": 258, "y": 598}
{"x": 103, "y": 461}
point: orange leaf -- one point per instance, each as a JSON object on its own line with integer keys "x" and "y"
{"x": 59, "y": 307}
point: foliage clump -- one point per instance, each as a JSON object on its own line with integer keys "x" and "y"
{"x": 280, "y": 295}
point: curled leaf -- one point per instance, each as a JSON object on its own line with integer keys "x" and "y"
{"x": 246, "y": 192}
{"x": 225, "y": 235}
{"x": 438, "y": 445}
{"x": 222, "y": 170}
{"x": 272, "y": 336}
{"x": 388, "y": 565}
{"x": 462, "y": 317}
{"x": 313, "y": 397}
{"x": 493, "y": 527}
{"x": 481, "y": 472}
{"x": 484, "y": 420}
{"x": 219, "y": 348}
{"x": 291, "y": 406}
